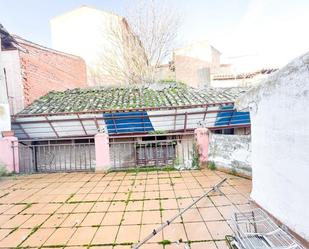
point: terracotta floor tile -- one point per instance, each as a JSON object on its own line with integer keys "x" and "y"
{"x": 49, "y": 208}
{"x": 168, "y": 214}
{"x": 5, "y": 207}
{"x": 128, "y": 234}
{"x": 15, "y": 209}
{"x": 153, "y": 246}
{"x": 210, "y": 214}
{"x": 167, "y": 194}
{"x": 5, "y": 218}
{"x": 34, "y": 208}
{"x": 35, "y": 220}
{"x": 238, "y": 199}
{"x": 100, "y": 207}
{"x": 205, "y": 202}
{"x": 121, "y": 196}
{"x": 15, "y": 238}
{"x": 67, "y": 208}
{"x": 83, "y": 207}
{"x": 219, "y": 229}
{"x": 16, "y": 221}
{"x": 93, "y": 219}
{"x": 91, "y": 197}
{"x": 184, "y": 193}
{"x": 192, "y": 215}
{"x": 183, "y": 203}
{"x": 203, "y": 245}
{"x": 4, "y": 233}
{"x": 146, "y": 230}
{"x": 39, "y": 237}
{"x": 118, "y": 206}
{"x": 151, "y": 217}
{"x": 55, "y": 220}
{"x": 152, "y": 187}
{"x": 196, "y": 192}
{"x": 105, "y": 235}
{"x": 220, "y": 200}
{"x": 132, "y": 218}
{"x": 227, "y": 211}
{"x": 60, "y": 198}
{"x": 174, "y": 232}
{"x": 60, "y": 237}
{"x": 106, "y": 197}
{"x": 151, "y": 205}
{"x": 137, "y": 196}
{"x": 73, "y": 220}
{"x": 169, "y": 204}
{"x": 152, "y": 195}
{"x": 222, "y": 245}
{"x": 197, "y": 231}
{"x": 112, "y": 218}
{"x": 82, "y": 236}
{"x": 134, "y": 206}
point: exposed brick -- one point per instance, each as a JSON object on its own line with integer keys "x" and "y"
{"x": 44, "y": 70}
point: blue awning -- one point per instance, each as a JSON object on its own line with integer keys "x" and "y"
{"x": 118, "y": 123}
{"x": 232, "y": 118}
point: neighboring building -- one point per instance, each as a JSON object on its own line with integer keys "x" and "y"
{"x": 194, "y": 63}
{"x": 103, "y": 39}
{"x": 280, "y": 144}
{"x": 31, "y": 70}
{"x": 224, "y": 79}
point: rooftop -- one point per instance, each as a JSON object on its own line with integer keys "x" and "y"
{"x": 112, "y": 98}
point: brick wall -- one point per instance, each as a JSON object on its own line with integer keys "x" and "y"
{"x": 44, "y": 70}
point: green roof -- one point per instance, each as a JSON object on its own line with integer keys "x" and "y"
{"x": 115, "y": 98}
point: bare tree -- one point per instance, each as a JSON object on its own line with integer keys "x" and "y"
{"x": 139, "y": 43}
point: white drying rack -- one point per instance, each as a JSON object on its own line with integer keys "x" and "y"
{"x": 254, "y": 229}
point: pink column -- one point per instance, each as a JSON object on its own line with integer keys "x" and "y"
{"x": 202, "y": 142}
{"x": 9, "y": 153}
{"x": 102, "y": 156}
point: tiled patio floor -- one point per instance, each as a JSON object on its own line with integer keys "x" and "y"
{"x": 80, "y": 210}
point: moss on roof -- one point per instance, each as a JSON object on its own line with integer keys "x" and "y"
{"x": 111, "y": 98}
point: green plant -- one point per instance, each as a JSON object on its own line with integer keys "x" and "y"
{"x": 3, "y": 171}
{"x": 211, "y": 165}
{"x": 165, "y": 242}
{"x": 195, "y": 157}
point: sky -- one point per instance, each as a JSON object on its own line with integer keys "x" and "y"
{"x": 251, "y": 34}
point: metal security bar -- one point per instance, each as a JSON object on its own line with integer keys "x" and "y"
{"x": 56, "y": 157}
{"x": 129, "y": 153}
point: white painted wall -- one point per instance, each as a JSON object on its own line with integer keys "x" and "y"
{"x": 280, "y": 144}
{"x": 5, "y": 121}
{"x": 85, "y": 32}
{"x": 11, "y": 63}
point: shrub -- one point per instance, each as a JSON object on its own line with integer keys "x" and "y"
{"x": 211, "y": 165}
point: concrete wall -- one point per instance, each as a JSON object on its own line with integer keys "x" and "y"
{"x": 231, "y": 152}
{"x": 280, "y": 144}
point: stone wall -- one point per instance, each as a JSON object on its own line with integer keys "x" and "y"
{"x": 231, "y": 153}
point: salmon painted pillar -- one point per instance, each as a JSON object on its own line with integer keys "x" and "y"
{"x": 102, "y": 156}
{"x": 202, "y": 142}
{"x": 9, "y": 154}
